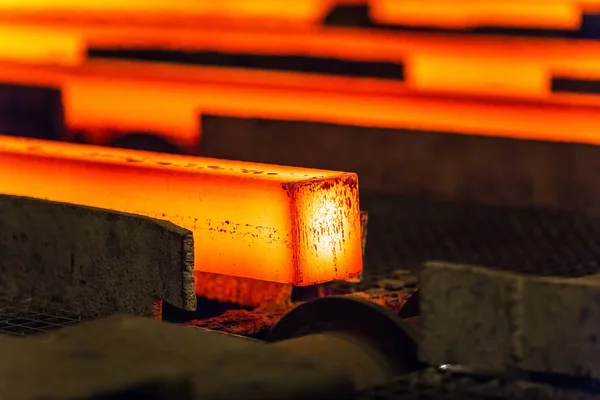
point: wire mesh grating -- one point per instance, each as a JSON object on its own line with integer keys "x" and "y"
{"x": 26, "y": 322}
{"x": 403, "y": 233}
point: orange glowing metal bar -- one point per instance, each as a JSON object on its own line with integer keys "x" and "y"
{"x": 31, "y": 44}
{"x": 545, "y": 14}
{"x": 565, "y": 14}
{"x": 433, "y": 63}
{"x": 169, "y": 100}
{"x": 280, "y": 224}
{"x": 298, "y": 12}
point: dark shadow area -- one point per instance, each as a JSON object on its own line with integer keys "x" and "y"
{"x": 569, "y": 382}
{"x": 306, "y": 293}
{"x": 79, "y": 137}
{"x": 328, "y": 66}
{"x": 581, "y": 86}
{"x": 206, "y": 309}
{"x": 30, "y": 111}
{"x": 358, "y": 16}
{"x": 412, "y": 307}
{"x": 158, "y": 389}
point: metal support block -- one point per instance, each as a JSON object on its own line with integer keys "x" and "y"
{"x": 500, "y": 321}
{"x": 91, "y": 261}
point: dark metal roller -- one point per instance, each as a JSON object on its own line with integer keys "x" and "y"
{"x": 370, "y": 343}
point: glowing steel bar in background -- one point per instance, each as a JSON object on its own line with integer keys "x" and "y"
{"x": 520, "y": 67}
{"x": 298, "y": 12}
{"x": 491, "y": 66}
{"x": 557, "y": 14}
{"x": 169, "y": 100}
{"x": 32, "y": 44}
{"x": 280, "y": 224}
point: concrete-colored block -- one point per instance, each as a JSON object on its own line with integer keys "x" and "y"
{"x": 92, "y": 261}
{"x": 125, "y": 354}
{"x": 559, "y": 325}
{"x": 499, "y": 321}
{"x": 465, "y": 312}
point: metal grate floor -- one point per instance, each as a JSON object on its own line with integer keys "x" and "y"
{"x": 19, "y": 322}
{"x": 404, "y": 233}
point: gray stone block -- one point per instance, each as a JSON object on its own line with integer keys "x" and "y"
{"x": 92, "y": 261}
{"x": 499, "y": 321}
{"x": 558, "y": 325}
{"x": 465, "y": 313}
{"x": 125, "y": 354}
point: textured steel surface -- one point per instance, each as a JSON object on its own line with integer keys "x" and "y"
{"x": 26, "y": 322}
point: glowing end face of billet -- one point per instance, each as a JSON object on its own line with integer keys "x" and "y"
{"x": 328, "y": 231}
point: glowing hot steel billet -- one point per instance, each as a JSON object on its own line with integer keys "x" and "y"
{"x": 274, "y": 223}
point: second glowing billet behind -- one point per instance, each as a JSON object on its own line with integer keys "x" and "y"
{"x": 549, "y": 14}
{"x": 273, "y": 223}
{"x": 171, "y": 99}
{"x": 496, "y": 66}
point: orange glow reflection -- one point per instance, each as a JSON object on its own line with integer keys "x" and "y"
{"x": 249, "y": 220}
{"x": 169, "y": 100}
